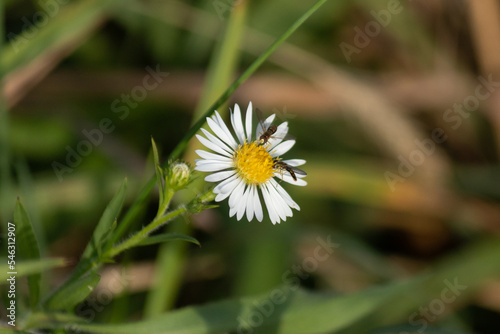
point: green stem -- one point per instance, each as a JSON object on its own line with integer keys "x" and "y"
{"x": 249, "y": 71}
{"x": 167, "y": 197}
{"x": 134, "y": 210}
{"x": 143, "y": 234}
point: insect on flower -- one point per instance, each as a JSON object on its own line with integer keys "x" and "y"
{"x": 293, "y": 171}
{"x": 266, "y": 130}
{"x": 245, "y": 167}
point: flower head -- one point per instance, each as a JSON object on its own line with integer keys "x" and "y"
{"x": 246, "y": 166}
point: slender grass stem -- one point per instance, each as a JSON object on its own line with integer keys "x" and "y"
{"x": 245, "y": 75}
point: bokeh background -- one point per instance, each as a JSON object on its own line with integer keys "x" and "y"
{"x": 382, "y": 96}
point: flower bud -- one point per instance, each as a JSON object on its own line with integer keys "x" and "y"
{"x": 178, "y": 175}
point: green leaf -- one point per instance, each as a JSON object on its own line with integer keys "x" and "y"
{"x": 97, "y": 245}
{"x": 280, "y": 311}
{"x": 452, "y": 282}
{"x": 284, "y": 310}
{"x": 73, "y": 293}
{"x": 11, "y": 331}
{"x": 415, "y": 329}
{"x": 168, "y": 237}
{"x": 156, "y": 157}
{"x": 27, "y": 248}
{"x": 160, "y": 177}
{"x": 133, "y": 211}
{"x": 104, "y": 228}
{"x": 25, "y": 268}
{"x": 52, "y": 320}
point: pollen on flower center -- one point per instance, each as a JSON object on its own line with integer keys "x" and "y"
{"x": 253, "y": 163}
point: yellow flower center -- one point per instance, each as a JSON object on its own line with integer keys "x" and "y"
{"x": 253, "y": 163}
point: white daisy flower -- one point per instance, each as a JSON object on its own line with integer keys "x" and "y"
{"x": 243, "y": 166}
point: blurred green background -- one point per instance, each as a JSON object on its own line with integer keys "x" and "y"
{"x": 368, "y": 88}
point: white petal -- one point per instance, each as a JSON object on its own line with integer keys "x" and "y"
{"x": 221, "y": 197}
{"x": 289, "y": 179}
{"x": 248, "y": 121}
{"x": 273, "y": 215}
{"x": 237, "y": 194}
{"x": 237, "y": 123}
{"x": 232, "y": 211}
{"x": 295, "y": 162}
{"x": 212, "y": 146}
{"x": 286, "y": 197}
{"x": 216, "y": 177}
{"x": 249, "y": 202}
{"x": 201, "y": 162}
{"x": 210, "y": 168}
{"x": 276, "y": 203}
{"x": 242, "y": 207}
{"x": 227, "y": 185}
{"x": 226, "y": 138}
{"x": 280, "y": 203}
{"x": 211, "y": 165}
{"x": 257, "y": 207}
{"x": 224, "y": 128}
{"x": 212, "y": 156}
{"x": 282, "y": 148}
{"x": 218, "y": 142}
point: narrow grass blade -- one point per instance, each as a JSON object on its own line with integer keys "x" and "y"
{"x": 103, "y": 229}
{"x": 27, "y": 248}
{"x": 248, "y": 72}
{"x": 168, "y": 277}
{"x": 134, "y": 210}
{"x": 286, "y": 312}
{"x": 401, "y": 329}
{"x": 27, "y": 185}
{"x": 53, "y": 320}
{"x": 157, "y": 239}
{"x": 25, "y": 268}
{"x": 451, "y": 284}
{"x": 11, "y": 331}
{"x": 70, "y": 20}
{"x": 5, "y": 176}
{"x": 74, "y": 293}
{"x": 35, "y": 52}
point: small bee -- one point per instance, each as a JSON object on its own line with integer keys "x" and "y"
{"x": 282, "y": 166}
{"x": 268, "y": 131}
{"x": 271, "y": 130}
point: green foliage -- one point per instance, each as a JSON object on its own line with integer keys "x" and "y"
{"x": 73, "y": 293}
{"x": 26, "y": 268}
{"x": 74, "y": 20}
{"x": 27, "y": 246}
{"x": 156, "y": 239}
{"x": 99, "y": 244}
{"x": 288, "y": 312}
{"x": 366, "y": 286}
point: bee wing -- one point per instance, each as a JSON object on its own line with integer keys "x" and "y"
{"x": 263, "y": 124}
{"x": 298, "y": 171}
{"x": 280, "y": 135}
